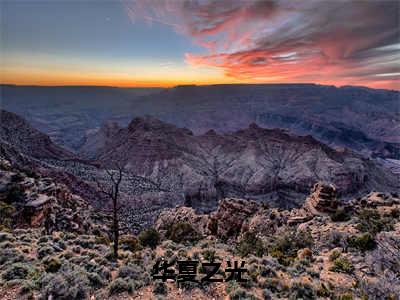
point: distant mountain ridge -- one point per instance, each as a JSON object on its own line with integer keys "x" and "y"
{"x": 363, "y": 119}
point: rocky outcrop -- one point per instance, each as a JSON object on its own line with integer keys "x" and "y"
{"x": 228, "y": 220}
{"x": 233, "y": 218}
{"x": 179, "y": 214}
{"x": 322, "y": 199}
{"x": 265, "y": 221}
{"x": 41, "y": 202}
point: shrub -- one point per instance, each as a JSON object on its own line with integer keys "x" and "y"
{"x": 27, "y": 286}
{"x": 213, "y": 226}
{"x": 250, "y": 244}
{"x": 76, "y": 249}
{"x": 287, "y": 244}
{"x": 363, "y": 242}
{"x": 10, "y": 256}
{"x": 334, "y": 255}
{"x": 240, "y": 294}
{"x": 118, "y": 286}
{"x": 94, "y": 267}
{"x": 346, "y": 297}
{"x": 130, "y": 243}
{"x": 7, "y": 212}
{"x": 95, "y": 280}
{"x": 135, "y": 274}
{"x": 45, "y": 251}
{"x": 209, "y": 255}
{"x": 336, "y": 239}
{"x": 130, "y": 271}
{"x": 160, "y": 288}
{"x": 301, "y": 290}
{"x": 149, "y": 238}
{"x": 52, "y": 265}
{"x": 267, "y": 295}
{"x": 60, "y": 245}
{"x": 6, "y": 237}
{"x": 342, "y": 265}
{"x": 69, "y": 283}
{"x": 323, "y": 291}
{"x": 371, "y": 221}
{"x": 4, "y": 228}
{"x": 305, "y": 254}
{"x": 181, "y": 232}
{"x": 340, "y": 215}
{"x": 70, "y": 236}
{"x": 16, "y": 271}
{"x": 395, "y": 213}
{"x": 103, "y": 240}
{"x": 85, "y": 242}
{"x": 44, "y": 239}
{"x": 67, "y": 255}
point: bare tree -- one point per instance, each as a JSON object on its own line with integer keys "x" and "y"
{"x": 112, "y": 191}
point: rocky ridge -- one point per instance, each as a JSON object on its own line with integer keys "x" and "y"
{"x": 30, "y": 200}
{"x": 270, "y": 166}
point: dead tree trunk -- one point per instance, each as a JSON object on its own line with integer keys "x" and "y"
{"x": 112, "y": 192}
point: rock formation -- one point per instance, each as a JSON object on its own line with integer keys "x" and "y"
{"x": 273, "y": 166}
{"x": 179, "y": 214}
{"x": 322, "y": 199}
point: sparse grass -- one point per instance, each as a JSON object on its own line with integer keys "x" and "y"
{"x": 6, "y": 215}
{"x": 363, "y": 242}
{"x": 335, "y": 254}
{"x": 16, "y": 271}
{"x": 149, "y": 238}
{"x": 342, "y": 265}
{"x": 340, "y": 215}
{"x": 182, "y": 232}
{"x": 209, "y": 255}
{"x": 250, "y": 244}
{"x": 371, "y": 221}
{"x": 52, "y": 264}
{"x": 118, "y": 286}
{"x": 300, "y": 290}
{"x": 286, "y": 245}
{"x": 240, "y": 294}
{"x": 130, "y": 243}
{"x": 160, "y": 288}
{"x": 70, "y": 282}
{"x": 45, "y": 251}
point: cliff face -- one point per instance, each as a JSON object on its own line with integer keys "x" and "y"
{"x": 255, "y": 163}
{"x": 18, "y": 133}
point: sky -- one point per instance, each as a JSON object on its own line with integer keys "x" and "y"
{"x": 167, "y": 43}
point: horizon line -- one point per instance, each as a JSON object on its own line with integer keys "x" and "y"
{"x": 196, "y": 85}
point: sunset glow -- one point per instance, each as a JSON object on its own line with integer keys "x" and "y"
{"x": 167, "y": 43}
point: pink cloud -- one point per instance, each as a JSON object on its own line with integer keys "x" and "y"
{"x": 336, "y": 42}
